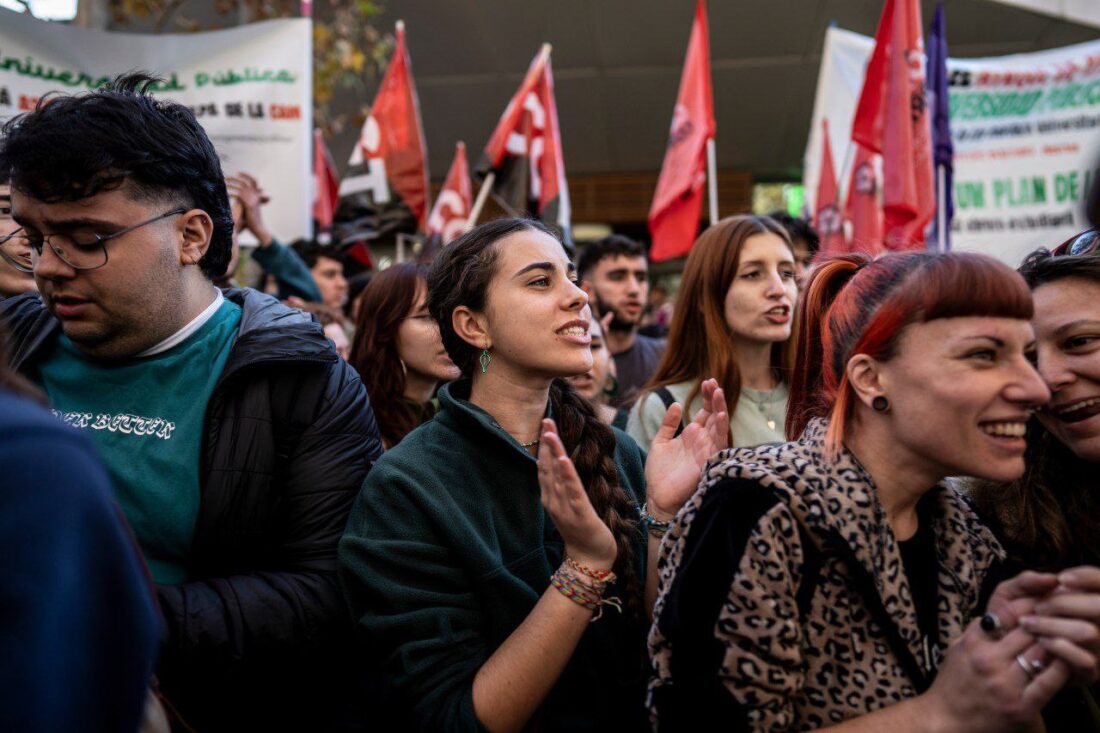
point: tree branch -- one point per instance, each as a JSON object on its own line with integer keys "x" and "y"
{"x": 165, "y": 16}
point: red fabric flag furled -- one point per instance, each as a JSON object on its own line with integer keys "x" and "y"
{"x": 678, "y": 202}
{"x": 390, "y": 155}
{"x": 326, "y": 188}
{"x": 452, "y": 206}
{"x": 892, "y": 119}
{"x": 525, "y": 152}
{"x": 827, "y": 219}
{"x": 862, "y": 207}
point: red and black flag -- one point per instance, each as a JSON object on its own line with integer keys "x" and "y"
{"x": 525, "y": 153}
{"x": 389, "y": 161}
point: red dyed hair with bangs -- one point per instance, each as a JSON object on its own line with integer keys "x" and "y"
{"x": 854, "y": 304}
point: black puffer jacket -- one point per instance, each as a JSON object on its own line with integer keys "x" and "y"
{"x": 258, "y": 637}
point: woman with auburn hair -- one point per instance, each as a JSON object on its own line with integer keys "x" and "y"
{"x": 1049, "y": 518}
{"x": 398, "y": 351}
{"x": 836, "y": 581}
{"x": 497, "y": 560}
{"x": 732, "y": 322}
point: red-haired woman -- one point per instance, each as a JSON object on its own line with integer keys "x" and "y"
{"x": 732, "y": 322}
{"x": 398, "y": 351}
{"x": 836, "y": 580}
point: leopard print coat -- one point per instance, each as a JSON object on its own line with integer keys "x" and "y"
{"x": 747, "y": 633}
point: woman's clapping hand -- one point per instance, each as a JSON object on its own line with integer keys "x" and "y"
{"x": 587, "y": 539}
{"x": 675, "y": 463}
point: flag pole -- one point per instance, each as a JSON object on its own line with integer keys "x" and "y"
{"x": 712, "y": 180}
{"x": 479, "y": 202}
{"x": 941, "y": 208}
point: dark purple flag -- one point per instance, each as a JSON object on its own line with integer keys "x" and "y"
{"x": 943, "y": 151}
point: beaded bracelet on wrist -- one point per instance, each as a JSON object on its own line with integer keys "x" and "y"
{"x": 654, "y": 526}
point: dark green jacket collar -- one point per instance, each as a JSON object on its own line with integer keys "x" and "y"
{"x": 458, "y": 413}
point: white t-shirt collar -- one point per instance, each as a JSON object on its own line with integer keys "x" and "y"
{"x": 181, "y": 335}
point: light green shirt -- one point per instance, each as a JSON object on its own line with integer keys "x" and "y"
{"x": 146, "y": 416}
{"x": 757, "y": 419}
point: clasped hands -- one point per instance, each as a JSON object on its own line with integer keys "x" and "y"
{"x": 1041, "y": 632}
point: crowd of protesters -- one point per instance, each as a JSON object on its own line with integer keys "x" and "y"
{"x": 841, "y": 492}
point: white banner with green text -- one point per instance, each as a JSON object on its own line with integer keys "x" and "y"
{"x": 250, "y": 87}
{"x": 1026, "y": 130}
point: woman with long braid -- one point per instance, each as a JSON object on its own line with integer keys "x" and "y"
{"x": 499, "y": 559}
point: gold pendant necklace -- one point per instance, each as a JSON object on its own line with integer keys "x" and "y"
{"x": 770, "y": 422}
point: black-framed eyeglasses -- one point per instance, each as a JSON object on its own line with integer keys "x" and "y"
{"x": 1079, "y": 244}
{"x": 86, "y": 253}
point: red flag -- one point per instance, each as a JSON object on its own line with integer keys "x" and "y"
{"x": 525, "y": 149}
{"x": 452, "y": 206}
{"x": 391, "y": 150}
{"x": 678, "y": 202}
{"x": 892, "y": 119}
{"x": 827, "y": 219}
{"x": 326, "y": 188}
{"x": 862, "y": 207}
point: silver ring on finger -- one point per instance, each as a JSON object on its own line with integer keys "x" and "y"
{"x": 1031, "y": 667}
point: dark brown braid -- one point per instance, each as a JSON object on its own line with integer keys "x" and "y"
{"x": 591, "y": 446}
{"x": 460, "y": 276}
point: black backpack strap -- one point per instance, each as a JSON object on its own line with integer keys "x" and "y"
{"x": 669, "y": 400}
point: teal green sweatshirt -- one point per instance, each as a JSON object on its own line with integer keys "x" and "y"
{"x": 448, "y": 550}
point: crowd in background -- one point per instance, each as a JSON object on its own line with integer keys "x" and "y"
{"x": 510, "y": 490}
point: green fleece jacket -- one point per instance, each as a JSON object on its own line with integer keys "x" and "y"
{"x": 446, "y": 552}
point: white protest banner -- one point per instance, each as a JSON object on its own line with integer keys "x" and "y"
{"x": 1026, "y": 130}
{"x": 251, "y": 88}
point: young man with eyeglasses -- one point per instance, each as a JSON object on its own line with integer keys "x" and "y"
{"x": 235, "y": 438}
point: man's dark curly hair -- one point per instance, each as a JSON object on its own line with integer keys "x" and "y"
{"x": 610, "y": 246}
{"x": 73, "y": 147}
